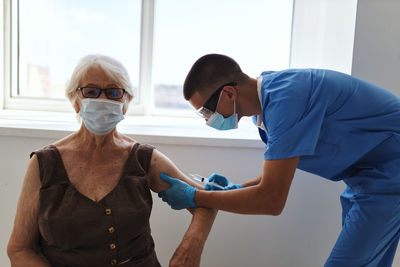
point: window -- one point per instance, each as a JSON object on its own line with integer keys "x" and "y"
{"x": 156, "y": 40}
{"x": 59, "y": 32}
{"x": 255, "y": 33}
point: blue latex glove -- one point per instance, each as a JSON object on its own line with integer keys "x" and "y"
{"x": 180, "y": 195}
{"x": 222, "y": 181}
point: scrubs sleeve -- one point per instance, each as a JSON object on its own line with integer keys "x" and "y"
{"x": 293, "y": 117}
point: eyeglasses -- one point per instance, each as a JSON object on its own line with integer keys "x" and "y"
{"x": 94, "y": 92}
{"x": 211, "y": 105}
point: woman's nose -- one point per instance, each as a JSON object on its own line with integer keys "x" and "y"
{"x": 102, "y": 95}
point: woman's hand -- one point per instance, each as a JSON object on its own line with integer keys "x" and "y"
{"x": 188, "y": 254}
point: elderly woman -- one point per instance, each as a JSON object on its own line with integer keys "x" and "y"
{"x": 85, "y": 199}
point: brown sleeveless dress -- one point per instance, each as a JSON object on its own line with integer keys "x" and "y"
{"x": 76, "y": 231}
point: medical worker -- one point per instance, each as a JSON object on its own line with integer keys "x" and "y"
{"x": 320, "y": 121}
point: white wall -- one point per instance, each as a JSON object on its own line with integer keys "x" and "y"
{"x": 361, "y": 38}
{"x": 302, "y": 236}
{"x": 376, "y": 52}
{"x": 323, "y": 34}
{"x": 376, "y": 55}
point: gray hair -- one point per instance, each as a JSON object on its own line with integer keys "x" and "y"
{"x": 112, "y": 67}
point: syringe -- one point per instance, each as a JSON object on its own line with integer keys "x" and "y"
{"x": 205, "y": 180}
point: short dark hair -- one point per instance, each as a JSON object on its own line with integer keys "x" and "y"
{"x": 210, "y": 72}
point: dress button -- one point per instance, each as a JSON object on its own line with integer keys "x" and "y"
{"x": 111, "y": 230}
{"x": 112, "y": 246}
{"x": 113, "y": 261}
{"x": 108, "y": 211}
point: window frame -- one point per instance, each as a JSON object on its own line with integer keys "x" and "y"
{"x": 11, "y": 52}
{"x": 9, "y": 94}
{"x": 2, "y": 54}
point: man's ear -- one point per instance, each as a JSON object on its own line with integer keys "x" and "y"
{"x": 230, "y": 92}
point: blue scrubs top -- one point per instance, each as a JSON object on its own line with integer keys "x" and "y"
{"x": 339, "y": 125}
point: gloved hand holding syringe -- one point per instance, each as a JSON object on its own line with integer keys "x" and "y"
{"x": 205, "y": 180}
{"x": 215, "y": 182}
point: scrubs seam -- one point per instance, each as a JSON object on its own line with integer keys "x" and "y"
{"x": 291, "y": 154}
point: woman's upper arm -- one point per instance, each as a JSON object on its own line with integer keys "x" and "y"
{"x": 162, "y": 164}
{"x": 25, "y": 231}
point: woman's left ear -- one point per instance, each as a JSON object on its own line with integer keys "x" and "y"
{"x": 77, "y": 106}
{"x": 126, "y": 103}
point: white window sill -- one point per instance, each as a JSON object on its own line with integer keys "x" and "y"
{"x": 153, "y": 130}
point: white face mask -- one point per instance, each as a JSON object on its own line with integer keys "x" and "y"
{"x": 101, "y": 116}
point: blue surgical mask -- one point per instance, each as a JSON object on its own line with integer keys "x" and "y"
{"x": 217, "y": 121}
{"x": 101, "y": 116}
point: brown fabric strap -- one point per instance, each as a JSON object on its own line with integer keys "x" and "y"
{"x": 143, "y": 155}
{"x": 139, "y": 160}
{"x": 50, "y": 166}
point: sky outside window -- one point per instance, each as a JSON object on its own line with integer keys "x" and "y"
{"x": 55, "y": 34}
{"x": 255, "y": 33}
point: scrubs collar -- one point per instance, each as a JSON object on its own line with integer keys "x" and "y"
{"x": 260, "y": 123}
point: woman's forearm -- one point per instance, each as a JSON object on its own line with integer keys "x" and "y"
{"x": 27, "y": 257}
{"x": 189, "y": 250}
{"x": 202, "y": 221}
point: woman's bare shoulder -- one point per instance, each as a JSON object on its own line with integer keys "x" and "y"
{"x": 64, "y": 142}
{"x": 127, "y": 140}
